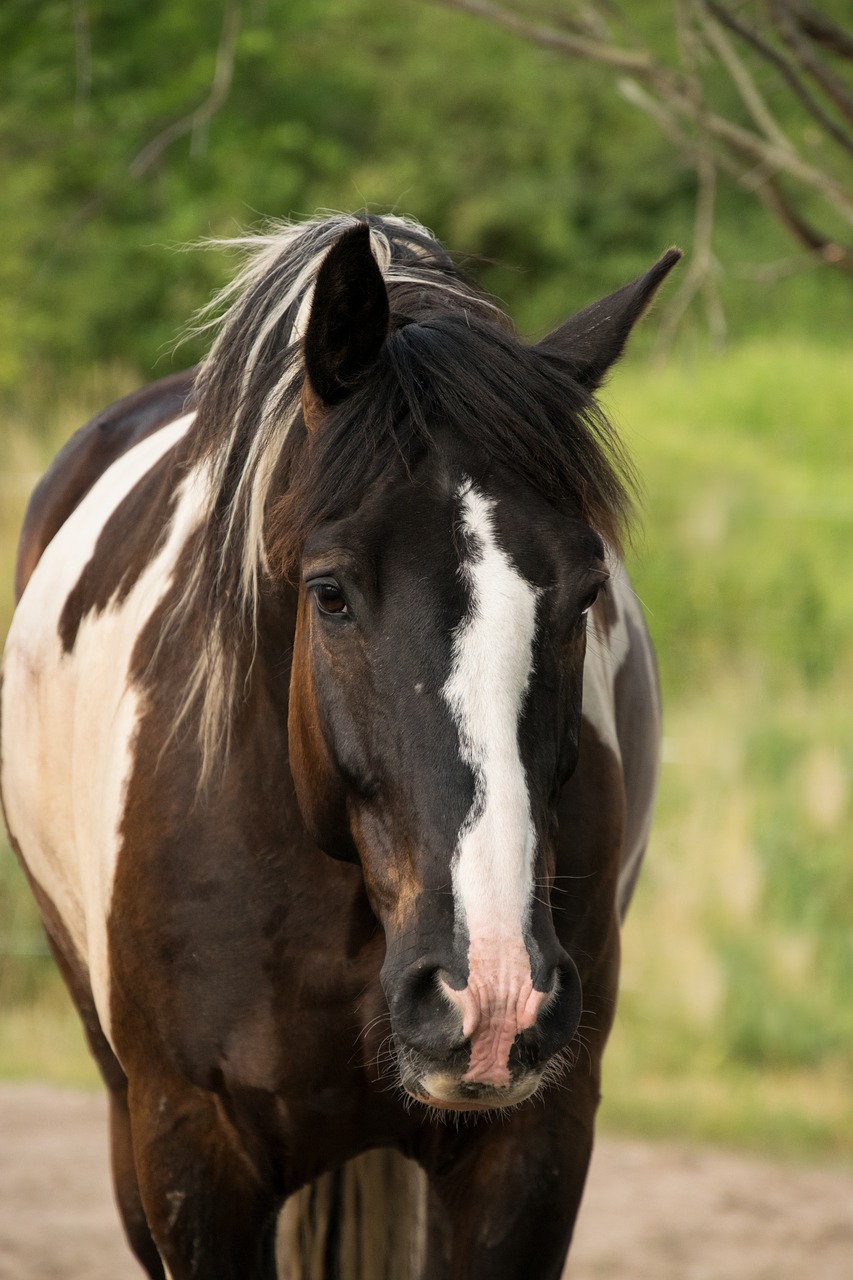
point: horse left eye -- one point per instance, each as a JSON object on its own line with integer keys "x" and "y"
{"x": 590, "y": 600}
{"x": 330, "y": 598}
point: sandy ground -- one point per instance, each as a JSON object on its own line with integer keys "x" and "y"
{"x": 652, "y": 1211}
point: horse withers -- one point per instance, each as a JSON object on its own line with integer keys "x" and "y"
{"x": 329, "y": 744}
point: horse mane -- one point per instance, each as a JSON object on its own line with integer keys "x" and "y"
{"x": 452, "y": 357}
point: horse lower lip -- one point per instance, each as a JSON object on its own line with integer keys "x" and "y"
{"x": 463, "y": 1105}
{"x": 471, "y": 1099}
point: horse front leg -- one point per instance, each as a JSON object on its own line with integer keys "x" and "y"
{"x": 504, "y": 1195}
{"x": 210, "y": 1207}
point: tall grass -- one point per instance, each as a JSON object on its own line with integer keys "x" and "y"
{"x": 735, "y": 1020}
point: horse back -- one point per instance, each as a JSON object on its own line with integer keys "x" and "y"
{"x": 87, "y": 455}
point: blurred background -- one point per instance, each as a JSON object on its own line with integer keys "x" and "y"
{"x": 559, "y": 148}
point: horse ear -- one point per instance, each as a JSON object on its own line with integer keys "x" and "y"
{"x": 594, "y": 339}
{"x": 348, "y": 323}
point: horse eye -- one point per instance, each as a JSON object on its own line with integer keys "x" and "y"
{"x": 330, "y": 598}
{"x": 590, "y": 599}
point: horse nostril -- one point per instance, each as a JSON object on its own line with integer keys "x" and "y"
{"x": 414, "y": 985}
{"x": 560, "y": 1014}
{"x": 421, "y": 1014}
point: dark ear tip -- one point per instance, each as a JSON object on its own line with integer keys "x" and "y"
{"x": 355, "y": 241}
{"x": 359, "y": 231}
{"x": 594, "y": 339}
{"x": 348, "y": 324}
{"x": 665, "y": 263}
{"x": 653, "y": 279}
{"x": 350, "y": 252}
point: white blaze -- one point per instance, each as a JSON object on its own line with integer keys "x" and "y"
{"x": 493, "y": 866}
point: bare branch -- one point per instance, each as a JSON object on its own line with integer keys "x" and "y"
{"x": 760, "y": 180}
{"x": 775, "y": 158}
{"x": 744, "y": 82}
{"x": 640, "y": 97}
{"x": 821, "y": 246}
{"x": 221, "y": 86}
{"x": 822, "y": 30}
{"x": 834, "y": 88}
{"x": 699, "y": 277}
{"x": 620, "y": 59}
{"x": 782, "y": 269}
{"x": 756, "y": 157}
{"x": 785, "y": 69}
{"x": 145, "y": 159}
{"x": 674, "y": 88}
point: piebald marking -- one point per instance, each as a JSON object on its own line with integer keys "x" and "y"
{"x": 605, "y": 656}
{"x": 70, "y": 719}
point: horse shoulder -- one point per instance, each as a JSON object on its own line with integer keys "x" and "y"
{"x": 70, "y": 709}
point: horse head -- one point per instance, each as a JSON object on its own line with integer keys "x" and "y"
{"x": 436, "y": 691}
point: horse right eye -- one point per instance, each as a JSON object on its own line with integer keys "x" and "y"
{"x": 330, "y": 598}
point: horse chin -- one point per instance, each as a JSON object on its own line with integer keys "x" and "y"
{"x": 449, "y": 1093}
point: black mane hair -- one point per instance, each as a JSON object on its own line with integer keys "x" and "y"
{"x": 516, "y": 404}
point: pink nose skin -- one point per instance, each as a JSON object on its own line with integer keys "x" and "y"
{"x": 498, "y": 1002}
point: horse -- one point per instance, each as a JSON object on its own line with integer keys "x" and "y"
{"x": 329, "y": 746}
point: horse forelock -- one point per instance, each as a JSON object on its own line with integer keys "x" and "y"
{"x": 248, "y": 396}
{"x": 452, "y": 357}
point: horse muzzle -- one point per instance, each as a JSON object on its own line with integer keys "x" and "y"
{"x": 479, "y": 1046}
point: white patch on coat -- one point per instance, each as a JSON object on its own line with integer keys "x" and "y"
{"x": 606, "y": 654}
{"x": 492, "y": 870}
{"x": 69, "y": 719}
{"x": 606, "y": 651}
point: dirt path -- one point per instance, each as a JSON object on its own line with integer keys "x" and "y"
{"x": 652, "y": 1211}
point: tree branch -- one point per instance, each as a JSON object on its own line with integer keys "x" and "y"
{"x": 220, "y": 88}
{"x": 674, "y": 88}
{"x": 620, "y": 59}
{"x": 754, "y": 157}
{"x": 759, "y": 150}
{"x": 828, "y": 251}
{"x": 819, "y": 28}
{"x": 645, "y": 101}
{"x": 784, "y": 67}
{"x": 699, "y": 277}
{"x": 782, "y": 269}
{"x": 145, "y": 159}
{"x": 744, "y": 82}
{"x": 834, "y": 88}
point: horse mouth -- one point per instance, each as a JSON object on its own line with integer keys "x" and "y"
{"x": 448, "y": 1093}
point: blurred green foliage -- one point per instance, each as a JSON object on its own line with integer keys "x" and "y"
{"x": 532, "y": 163}
{"x": 734, "y": 1021}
